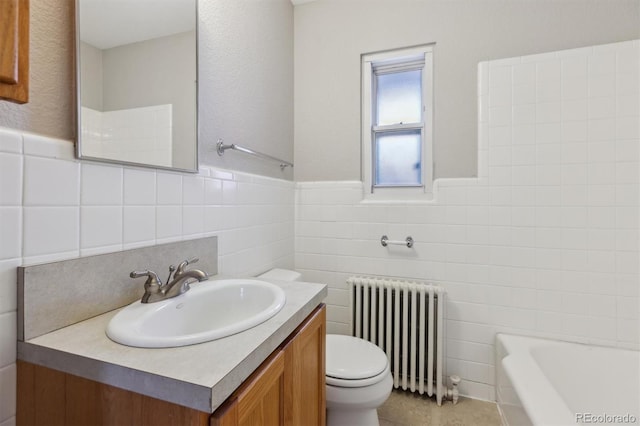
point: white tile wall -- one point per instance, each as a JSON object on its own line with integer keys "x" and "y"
{"x": 543, "y": 242}
{"x": 141, "y": 135}
{"x": 54, "y": 207}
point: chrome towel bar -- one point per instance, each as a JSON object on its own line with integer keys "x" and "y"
{"x": 221, "y": 148}
{"x": 385, "y": 241}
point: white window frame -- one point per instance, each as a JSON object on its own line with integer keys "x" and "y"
{"x": 400, "y": 59}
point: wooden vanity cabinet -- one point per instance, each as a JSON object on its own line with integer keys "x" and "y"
{"x": 287, "y": 389}
{"x": 14, "y": 50}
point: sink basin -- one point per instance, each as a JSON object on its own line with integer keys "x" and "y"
{"x": 210, "y": 310}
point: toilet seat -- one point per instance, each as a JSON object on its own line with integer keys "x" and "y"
{"x": 353, "y": 362}
{"x": 351, "y": 383}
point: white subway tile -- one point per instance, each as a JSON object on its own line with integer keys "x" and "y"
{"x": 574, "y": 88}
{"x": 213, "y": 192}
{"x": 101, "y": 185}
{"x": 627, "y": 60}
{"x": 8, "y": 338}
{"x": 524, "y": 74}
{"x": 574, "y": 110}
{"x": 627, "y": 240}
{"x": 100, "y": 226}
{"x": 548, "y": 132}
{"x": 10, "y": 179}
{"x": 602, "y": 107}
{"x": 627, "y": 262}
{"x": 625, "y": 84}
{"x": 602, "y": 63}
{"x": 49, "y": 182}
{"x": 169, "y": 221}
{"x": 601, "y": 173}
{"x": 8, "y": 285}
{"x": 601, "y": 239}
{"x": 192, "y": 220}
{"x": 524, "y": 134}
{"x": 524, "y": 94}
{"x": 168, "y": 188}
{"x": 601, "y": 152}
{"x": 500, "y": 116}
{"x": 8, "y": 378}
{"x": 627, "y": 150}
{"x": 42, "y": 146}
{"x": 602, "y": 195}
{"x": 628, "y": 330}
{"x": 627, "y": 173}
{"x": 574, "y": 66}
{"x": 601, "y": 85}
{"x": 602, "y": 217}
{"x": 192, "y": 190}
{"x": 574, "y": 131}
{"x": 10, "y": 141}
{"x": 548, "y": 174}
{"x": 548, "y": 112}
{"x": 627, "y": 128}
{"x": 140, "y": 187}
{"x": 51, "y": 230}
{"x": 10, "y": 232}
{"x": 139, "y": 224}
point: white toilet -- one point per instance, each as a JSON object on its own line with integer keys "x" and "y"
{"x": 358, "y": 381}
{"x": 358, "y": 374}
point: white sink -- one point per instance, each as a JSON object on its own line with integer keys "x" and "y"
{"x": 210, "y": 310}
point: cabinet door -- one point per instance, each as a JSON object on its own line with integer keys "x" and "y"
{"x": 259, "y": 401}
{"x": 305, "y": 372}
{"x": 14, "y": 50}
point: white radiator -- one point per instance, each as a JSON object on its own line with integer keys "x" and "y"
{"x": 405, "y": 319}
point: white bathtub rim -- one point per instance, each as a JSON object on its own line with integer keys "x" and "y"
{"x": 530, "y": 382}
{"x": 535, "y": 391}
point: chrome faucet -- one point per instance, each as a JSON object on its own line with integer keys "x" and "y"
{"x": 154, "y": 290}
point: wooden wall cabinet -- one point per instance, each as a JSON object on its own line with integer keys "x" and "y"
{"x": 14, "y": 50}
{"x": 288, "y": 389}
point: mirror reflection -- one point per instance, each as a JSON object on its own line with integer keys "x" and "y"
{"x": 137, "y": 82}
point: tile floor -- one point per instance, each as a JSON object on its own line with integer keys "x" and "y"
{"x": 408, "y": 409}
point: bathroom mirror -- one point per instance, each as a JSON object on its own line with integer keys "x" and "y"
{"x": 137, "y": 82}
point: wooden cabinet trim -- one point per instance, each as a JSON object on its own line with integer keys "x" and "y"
{"x": 14, "y": 50}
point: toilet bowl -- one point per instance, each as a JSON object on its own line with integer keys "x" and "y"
{"x": 358, "y": 381}
{"x": 358, "y": 375}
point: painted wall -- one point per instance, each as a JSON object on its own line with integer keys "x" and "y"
{"x": 330, "y": 36}
{"x": 246, "y": 82}
{"x": 51, "y": 107}
{"x": 544, "y": 242}
{"x": 92, "y": 87}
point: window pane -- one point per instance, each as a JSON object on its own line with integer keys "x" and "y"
{"x": 399, "y": 98}
{"x": 398, "y": 158}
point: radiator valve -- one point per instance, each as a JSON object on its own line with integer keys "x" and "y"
{"x": 452, "y": 393}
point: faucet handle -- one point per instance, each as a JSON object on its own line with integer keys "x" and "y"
{"x": 152, "y": 278}
{"x": 172, "y": 269}
{"x": 184, "y": 264}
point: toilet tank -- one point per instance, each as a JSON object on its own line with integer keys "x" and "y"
{"x": 281, "y": 274}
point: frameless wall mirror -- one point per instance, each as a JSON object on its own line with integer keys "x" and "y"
{"x": 137, "y": 82}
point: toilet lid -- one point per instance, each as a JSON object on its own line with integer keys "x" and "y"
{"x": 352, "y": 358}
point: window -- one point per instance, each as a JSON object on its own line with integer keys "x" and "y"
{"x": 397, "y": 123}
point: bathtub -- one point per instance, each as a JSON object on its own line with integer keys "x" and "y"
{"x": 549, "y": 382}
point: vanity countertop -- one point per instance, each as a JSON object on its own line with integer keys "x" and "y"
{"x": 199, "y": 376}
